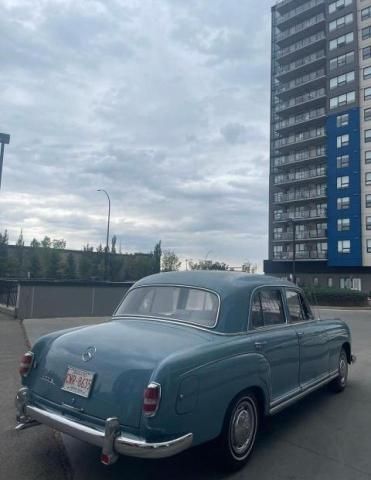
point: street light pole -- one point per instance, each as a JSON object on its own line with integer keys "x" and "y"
{"x": 293, "y": 250}
{"x": 4, "y": 140}
{"x": 107, "y": 239}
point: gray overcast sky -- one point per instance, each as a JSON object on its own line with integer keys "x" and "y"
{"x": 164, "y": 103}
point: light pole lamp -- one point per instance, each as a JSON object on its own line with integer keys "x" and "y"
{"x": 4, "y": 140}
{"x": 107, "y": 239}
{"x": 292, "y": 223}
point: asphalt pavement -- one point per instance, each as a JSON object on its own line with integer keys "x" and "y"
{"x": 325, "y": 436}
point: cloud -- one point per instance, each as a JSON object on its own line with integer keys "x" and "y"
{"x": 162, "y": 103}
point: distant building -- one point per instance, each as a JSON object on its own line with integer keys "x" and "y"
{"x": 320, "y": 161}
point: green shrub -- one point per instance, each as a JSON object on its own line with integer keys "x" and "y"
{"x": 336, "y": 297}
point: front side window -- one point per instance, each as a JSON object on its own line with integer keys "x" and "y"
{"x": 298, "y": 308}
{"x": 183, "y": 304}
{"x": 271, "y": 308}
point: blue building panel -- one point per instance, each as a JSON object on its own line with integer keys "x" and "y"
{"x": 354, "y": 257}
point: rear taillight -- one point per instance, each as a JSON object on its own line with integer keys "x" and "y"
{"x": 152, "y": 397}
{"x": 26, "y": 364}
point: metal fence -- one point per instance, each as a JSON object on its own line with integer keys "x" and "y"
{"x": 8, "y": 293}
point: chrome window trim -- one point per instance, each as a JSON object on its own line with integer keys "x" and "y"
{"x": 174, "y": 321}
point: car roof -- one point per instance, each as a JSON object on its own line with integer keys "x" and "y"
{"x": 233, "y": 288}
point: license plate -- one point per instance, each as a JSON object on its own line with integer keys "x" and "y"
{"x": 78, "y": 381}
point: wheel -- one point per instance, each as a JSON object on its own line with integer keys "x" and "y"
{"x": 241, "y": 425}
{"x": 340, "y": 382}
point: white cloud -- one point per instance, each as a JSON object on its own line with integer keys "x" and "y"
{"x": 163, "y": 103}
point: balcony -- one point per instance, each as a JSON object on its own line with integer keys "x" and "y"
{"x": 303, "y": 235}
{"x": 303, "y": 118}
{"x": 298, "y": 102}
{"x": 309, "y": 26}
{"x": 301, "y": 84}
{"x": 299, "y": 138}
{"x": 301, "y": 255}
{"x": 285, "y": 54}
{"x": 300, "y": 195}
{"x": 304, "y": 64}
{"x": 284, "y": 6}
{"x": 312, "y": 154}
{"x": 296, "y": 13}
{"x": 300, "y": 176}
{"x": 315, "y": 213}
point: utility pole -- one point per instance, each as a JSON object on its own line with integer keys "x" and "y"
{"x": 4, "y": 140}
{"x": 107, "y": 239}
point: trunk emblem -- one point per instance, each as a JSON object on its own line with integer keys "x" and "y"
{"x": 89, "y": 353}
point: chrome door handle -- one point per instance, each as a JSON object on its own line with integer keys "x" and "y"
{"x": 300, "y": 334}
{"x": 260, "y": 345}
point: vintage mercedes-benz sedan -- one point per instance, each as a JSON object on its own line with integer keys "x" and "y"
{"x": 187, "y": 358}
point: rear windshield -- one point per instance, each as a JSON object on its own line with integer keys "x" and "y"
{"x": 183, "y": 304}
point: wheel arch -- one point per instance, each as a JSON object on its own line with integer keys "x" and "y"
{"x": 346, "y": 347}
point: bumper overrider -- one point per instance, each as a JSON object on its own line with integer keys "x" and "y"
{"x": 112, "y": 440}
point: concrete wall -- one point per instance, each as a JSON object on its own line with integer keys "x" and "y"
{"x": 68, "y": 299}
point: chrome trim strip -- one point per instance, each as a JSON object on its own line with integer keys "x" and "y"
{"x": 303, "y": 392}
{"x": 115, "y": 315}
{"x": 111, "y": 443}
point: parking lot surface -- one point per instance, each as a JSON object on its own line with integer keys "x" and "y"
{"x": 325, "y": 436}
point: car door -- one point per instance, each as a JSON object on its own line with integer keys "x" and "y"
{"x": 276, "y": 340}
{"x": 313, "y": 339}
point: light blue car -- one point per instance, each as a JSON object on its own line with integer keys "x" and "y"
{"x": 188, "y": 357}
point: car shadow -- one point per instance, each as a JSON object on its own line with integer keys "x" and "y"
{"x": 202, "y": 463}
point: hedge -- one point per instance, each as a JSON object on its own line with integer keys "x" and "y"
{"x": 336, "y": 297}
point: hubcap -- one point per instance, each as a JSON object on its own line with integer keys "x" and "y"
{"x": 243, "y": 427}
{"x": 343, "y": 369}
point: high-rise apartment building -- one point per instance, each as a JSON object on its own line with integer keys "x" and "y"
{"x": 320, "y": 159}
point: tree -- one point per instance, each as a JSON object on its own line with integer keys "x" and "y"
{"x": 208, "y": 265}
{"x": 170, "y": 262}
{"x": 157, "y": 252}
{"x": 46, "y": 242}
{"x": 70, "y": 267}
{"x": 54, "y": 264}
{"x": 248, "y": 267}
{"x": 59, "y": 243}
{"x": 20, "y": 254}
{"x": 113, "y": 243}
{"x": 35, "y": 243}
{"x": 88, "y": 248}
{"x": 35, "y": 268}
{"x": 4, "y": 240}
{"x": 85, "y": 266}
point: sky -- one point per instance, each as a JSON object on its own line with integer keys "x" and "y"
{"x": 163, "y": 103}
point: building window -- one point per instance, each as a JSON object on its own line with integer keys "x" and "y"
{"x": 341, "y": 41}
{"x": 343, "y": 224}
{"x": 368, "y": 93}
{"x": 315, "y": 281}
{"x": 368, "y": 136}
{"x": 366, "y": 33}
{"x": 366, "y": 13}
{"x": 368, "y": 178}
{"x": 342, "y": 120}
{"x": 343, "y": 99}
{"x": 341, "y": 80}
{"x": 356, "y": 284}
{"x": 367, "y": 114}
{"x": 329, "y": 282}
{"x": 342, "y": 140}
{"x": 343, "y": 203}
{"x": 339, "y": 4}
{"x": 343, "y": 182}
{"x": 345, "y": 283}
{"x": 342, "y": 161}
{"x": 341, "y": 22}
{"x": 368, "y": 222}
{"x": 342, "y": 60}
{"x": 344, "y": 246}
{"x": 366, "y": 73}
{"x": 368, "y": 200}
{"x": 368, "y": 156}
{"x": 368, "y": 246}
{"x": 366, "y": 53}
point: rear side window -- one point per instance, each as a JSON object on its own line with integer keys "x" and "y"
{"x": 298, "y": 308}
{"x": 267, "y": 308}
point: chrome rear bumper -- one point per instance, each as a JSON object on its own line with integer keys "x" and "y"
{"x": 111, "y": 440}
